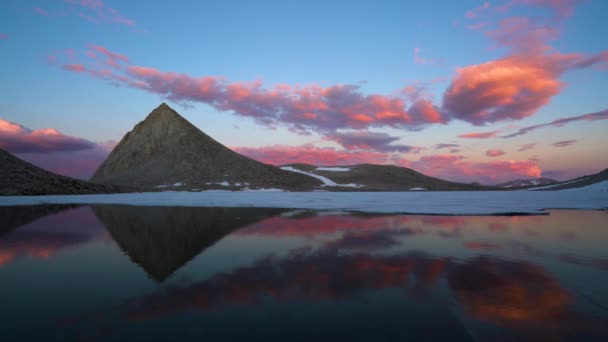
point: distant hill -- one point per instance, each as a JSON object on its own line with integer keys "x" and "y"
{"x": 576, "y": 182}
{"x": 18, "y": 177}
{"x": 370, "y": 177}
{"x": 518, "y": 183}
{"x": 167, "y": 151}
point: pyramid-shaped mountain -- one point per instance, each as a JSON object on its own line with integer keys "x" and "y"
{"x": 166, "y": 149}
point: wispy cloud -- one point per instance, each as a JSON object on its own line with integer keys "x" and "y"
{"x": 94, "y": 11}
{"x": 602, "y": 115}
{"x": 526, "y": 147}
{"x": 564, "y": 143}
{"x": 441, "y": 146}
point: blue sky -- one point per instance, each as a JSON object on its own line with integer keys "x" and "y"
{"x": 369, "y": 44}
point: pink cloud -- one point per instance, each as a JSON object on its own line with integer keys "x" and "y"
{"x": 495, "y": 153}
{"x": 76, "y": 67}
{"x": 371, "y": 141}
{"x": 457, "y": 168}
{"x": 18, "y": 139}
{"x": 281, "y": 155}
{"x": 518, "y": 85}
{"x": 602, "y": 115}
{"x": 40, "y": 11}
{"x": 3, "y": 36}
{"x": 94, "y": 11}
{"x": 479, "y": 135}
{"x": 112, "y": 59}
{"x": 526, "y": 147}
{"x": 474, "y": 13}
{"x": 564, "y": 143}
{"x": 418, "y": 59}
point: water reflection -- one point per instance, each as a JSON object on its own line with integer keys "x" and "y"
{"x": 43, "y": 230}
{"x": 163, "y": 239}
{"x": 277, "y": 274}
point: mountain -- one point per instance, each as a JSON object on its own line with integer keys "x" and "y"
{"x": 165, "y": 150}
{"x": 18, "y": 177}
{"x": 162, "y": 239}
{"x": 371, "y": 177}
{"x": 576, "y": 182}
{"x": 518, "y": 183}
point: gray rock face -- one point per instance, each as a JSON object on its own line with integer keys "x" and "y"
{"x": 166, "y": 149}
{"x": 18, "y": 177}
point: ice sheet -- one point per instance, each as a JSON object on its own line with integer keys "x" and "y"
{"x": 418, "y": 202}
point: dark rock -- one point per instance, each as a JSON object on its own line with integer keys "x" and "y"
{"x": 166, "y": 149}
{"x": 18, "y": 177}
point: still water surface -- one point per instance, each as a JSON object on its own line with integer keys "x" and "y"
{"x": 113, "y": 272}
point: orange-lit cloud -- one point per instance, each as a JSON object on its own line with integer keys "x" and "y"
{"x": 517, "y": 85}
{"x": 495, "y": 153}
{"x": 479, "y": 135}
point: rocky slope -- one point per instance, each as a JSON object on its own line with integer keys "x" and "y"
{"x": 369, "y": 177}
{"x": 18, "y": 177}
{"x": 167, "y": 151}
{"x": 519, "y": 183}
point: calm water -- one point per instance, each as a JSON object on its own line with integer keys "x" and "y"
{"x": 162, "y": 273}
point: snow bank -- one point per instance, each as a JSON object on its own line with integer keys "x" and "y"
{"x": 335, "y": 169}
{"x": 423, "y": 202}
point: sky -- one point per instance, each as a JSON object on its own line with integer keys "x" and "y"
{"x": 470, "y": 91}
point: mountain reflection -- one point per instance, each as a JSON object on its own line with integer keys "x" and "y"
{"x": 163, "y": 239}
{"x": 43, "y": 230}
{"x": 17, "y": 216}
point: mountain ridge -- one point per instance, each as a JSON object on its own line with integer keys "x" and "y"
{"x": 18, "y": 177}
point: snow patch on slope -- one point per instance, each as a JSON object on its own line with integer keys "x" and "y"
{"x": 326, "y": 181}
{"x": 556, "y": 185}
